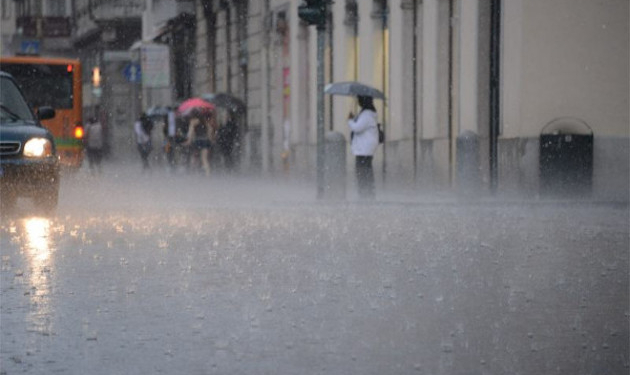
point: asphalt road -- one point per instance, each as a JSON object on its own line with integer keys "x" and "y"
{"x": 149, "y": 274}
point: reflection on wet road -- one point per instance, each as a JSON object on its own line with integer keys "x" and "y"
{"x": 156, "y": 276}
{"x": 38, "y": 252}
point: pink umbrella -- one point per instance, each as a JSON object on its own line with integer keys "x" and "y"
{"x": 191, "y": 104}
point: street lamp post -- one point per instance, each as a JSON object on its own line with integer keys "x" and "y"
{"x": 495, "y": 87}
{"x": 313, "y": 12}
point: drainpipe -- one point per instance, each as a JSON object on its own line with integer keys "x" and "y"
{"x": 211, "y": 18}
{"x": 385, "y": 43}
{"x": 495, "y": 81}
{"x": 266, "y": 134}
{"x": 243, "y": 60}
{"x": 355, "y": 28}
{"x": 321, "y": 35}
{"x": 331, "y": 54}
{"x": 451, "y": 55}
{"x": 415, "y": 91}
{"x": 228, "y": 44}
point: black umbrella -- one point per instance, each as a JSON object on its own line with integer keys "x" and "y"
{"x": 353, "y": 89}
{"x": 227, "y": 101}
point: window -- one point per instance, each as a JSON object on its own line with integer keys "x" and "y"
{"x": 6, "y": 9}
{"x": 57, "y": 8}
{"x": 352, "y": 14}
{"x": 37, "y": 8}
{"x": 29, "y": 8}
{"x": 43, "y": 84}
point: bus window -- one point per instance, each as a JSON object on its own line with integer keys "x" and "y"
{"x": 49, "y": 85}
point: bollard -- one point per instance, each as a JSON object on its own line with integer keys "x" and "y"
{"x": 468, "y": 168}
{"x": 335, "y": 166}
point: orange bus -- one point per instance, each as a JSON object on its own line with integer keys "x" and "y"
{"x": 54, "y": 82}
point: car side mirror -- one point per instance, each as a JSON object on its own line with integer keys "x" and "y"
{"x": 45, "y": 113}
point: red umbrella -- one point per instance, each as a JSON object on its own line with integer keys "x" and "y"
{"x": 194, "y": 103}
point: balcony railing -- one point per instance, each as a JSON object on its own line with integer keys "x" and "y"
{"x": 47, "y": 27}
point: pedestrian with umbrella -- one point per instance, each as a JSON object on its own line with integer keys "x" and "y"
{"x": 192, "y": 104}
{"x": 202, "y": 128}
{"x": 364, "y": 132}
{"x": 232, "y": 111}
{"x": 142, "y": 128}
{"x": 363, "y": 143}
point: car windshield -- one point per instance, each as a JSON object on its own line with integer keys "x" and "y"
{"x": 12, "y": 104}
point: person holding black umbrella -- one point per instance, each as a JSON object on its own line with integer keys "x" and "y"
{"x": 142, "y": 128}
{"x": 364, "y": 141}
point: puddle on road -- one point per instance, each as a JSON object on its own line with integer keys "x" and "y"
{"x": 33, "y": 234}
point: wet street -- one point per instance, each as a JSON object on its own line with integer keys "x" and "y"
{"x": 150, "y": 274}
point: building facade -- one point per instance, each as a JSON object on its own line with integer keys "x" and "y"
{"x": 564, "y": 60}
{"x": 7, "y": 26}
{"x": 33, "y": 27}
{"x": 103, "y": 34}
{"x": 471, "y": 85}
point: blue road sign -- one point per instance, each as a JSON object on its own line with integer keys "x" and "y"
{"x": 29, "y": 47}
{"x": 132, "y": 72}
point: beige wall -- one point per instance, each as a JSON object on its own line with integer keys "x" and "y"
{"x": 7, "y": 29}
{"x": 559, "y": 58}
{"x": 565, "y": 58}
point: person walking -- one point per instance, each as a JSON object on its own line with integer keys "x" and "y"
{"x": 169, "y": 131}
{"x": 94, "y": 144}
{"x": 364, "y": 141}
{"x": 227, "y": 136}
{"x": 202, "y": 128}
{"x": 142, "y": 129}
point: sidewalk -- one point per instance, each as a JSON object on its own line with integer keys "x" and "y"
{"x": 127, "y": 182}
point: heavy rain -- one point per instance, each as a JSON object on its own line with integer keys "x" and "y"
{"x": 145, "y": 275}
{"x": 474, "y": 239}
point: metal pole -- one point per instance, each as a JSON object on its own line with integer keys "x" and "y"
{"x": 385, "y": 88}
{"x": 265, "y": 134}
{"x": 495, "y": 60}
{"x": 450, "y": 104}
{"x": 321, "y": 38}
{"x": 415, "y": 92}
{"x": 331, "y": 54}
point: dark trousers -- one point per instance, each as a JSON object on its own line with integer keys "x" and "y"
{"x": 94, "y": 155}
{"x": 145, "y": 150}
{"x": 365, "y": 176}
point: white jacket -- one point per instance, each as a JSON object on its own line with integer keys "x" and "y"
{"x": 364, "y": 126}
{"x": 141, "y": 136}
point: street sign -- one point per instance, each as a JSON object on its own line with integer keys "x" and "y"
{"x": 29, "y": 47}
{"x": 132, "y": 72}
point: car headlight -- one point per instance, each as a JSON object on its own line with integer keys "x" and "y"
{"x": 38, "y": 148}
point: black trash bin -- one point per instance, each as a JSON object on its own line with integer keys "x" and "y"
{"x": 566, "y": 158}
